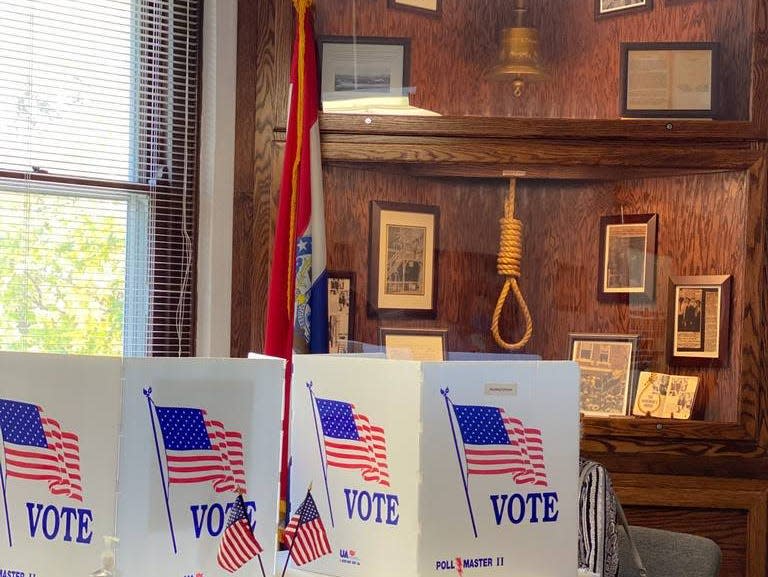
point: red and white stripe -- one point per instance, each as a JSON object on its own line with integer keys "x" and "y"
{"x": 310, "y": 543}
{"x": 223, "y": 465}
{"x": 238, "y": 546}
{"x": 523, "y": 458}
{"x": 58, "y": 463}
{"x": 368, "y": 453}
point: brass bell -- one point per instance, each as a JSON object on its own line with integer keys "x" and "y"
{"x": 519, "y": 58}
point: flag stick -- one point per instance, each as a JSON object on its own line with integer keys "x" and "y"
{"x": 5, "y": 503}
{"x": 320, "y": 449}
{"x": 261, "y": 565}
{"x": 458, "y": 458}
{"x": 296, "y": 533}
{"x": 148, "y": 393}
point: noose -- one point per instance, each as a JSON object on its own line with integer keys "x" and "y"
{"x": 508, "y": 265}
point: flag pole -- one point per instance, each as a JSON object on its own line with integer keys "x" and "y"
{"x": 448, "y": 403}
{"x": 148, "y": 394}
{"x": 5, "y": 502}
{"x": 320, "y": 449}
{"x": 296, "y": 533}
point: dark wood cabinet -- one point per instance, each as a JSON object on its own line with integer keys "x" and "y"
{"x": 577, "y": 161}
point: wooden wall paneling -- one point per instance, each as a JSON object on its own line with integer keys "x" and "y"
{"x": 705, "y": 506}
{"x": 264, "y": 37}
{"x": 759, "y": 110}
{"x": 582, "y": 54}
{"x": 468, "y": 240}
{"x": 561, "y": 261}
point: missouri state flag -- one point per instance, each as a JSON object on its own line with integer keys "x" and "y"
{"x": 497, "y": 444}
{"x": 36, "y": 448}
{"x": 297, "y": 300}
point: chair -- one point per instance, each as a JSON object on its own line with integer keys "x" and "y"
{"x": 668, "y": 554}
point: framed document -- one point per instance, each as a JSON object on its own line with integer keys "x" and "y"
{"x": 698, "y": 321}
{"x": 669, "y": 79}
{"x": 607, "y": 365}
{"x": 605, "y": 8}
{"x": 627, "y": 256}
{"x": 363, "y": 67}
{"x": 402, "y": 260}
{"x": 428, "y": 7}
{"x": 666, "y": 396}
{"x": 341, "y": 310}
{"x": 413, "y": 344}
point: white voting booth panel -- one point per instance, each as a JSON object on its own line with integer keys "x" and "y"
{"x": 438, "y": 468}
{"x": 59, "y": 425}
{"x": 170, "y": 521}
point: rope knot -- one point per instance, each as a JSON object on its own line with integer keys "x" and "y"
{"x": 510, "y": 247}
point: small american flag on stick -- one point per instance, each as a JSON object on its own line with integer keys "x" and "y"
{"x": 305, "y": 534}
{"x": 238, "y": 543}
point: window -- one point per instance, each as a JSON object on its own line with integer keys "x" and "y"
{"x": 98, "y": 171}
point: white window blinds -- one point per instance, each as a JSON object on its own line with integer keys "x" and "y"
{"x": 98, "y": 169}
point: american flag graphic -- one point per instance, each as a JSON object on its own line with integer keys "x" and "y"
{"x": 305, "y": 534}
{"x": 495, "y": 444}
{"x": 199, "y": 449}
{"x": 352, "y": 442}
{"x": 238, "y": 544}
{"x": 36, "y": 448}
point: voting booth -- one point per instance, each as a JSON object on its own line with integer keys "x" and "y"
{"x": 445, "y": 468}
{"x": 149, "y": 450}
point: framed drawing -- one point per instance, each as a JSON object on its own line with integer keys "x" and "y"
{"x": 605, "y": 8}
{"x": 362, "y": 67}
{"x": 428, "y": 7}
{"x": 341, "y": 310}
{"x": 413, "y": 344}
{"x": 402, "y": 260}
{"x": 665, "y": 396}
{"x": 608, "y": 369}
{"x": 627, "y": 256}
{"x": 669, "y": 79}
{"x": 699, "y": 319}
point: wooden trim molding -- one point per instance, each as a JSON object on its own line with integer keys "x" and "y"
{"x": 706, "y": 493}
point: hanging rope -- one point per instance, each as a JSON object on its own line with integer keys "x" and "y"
{"x": 508, "y": 264}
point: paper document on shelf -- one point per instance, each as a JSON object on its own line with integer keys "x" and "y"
{"x": 398, "y": 105}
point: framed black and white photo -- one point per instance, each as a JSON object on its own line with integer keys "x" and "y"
{"x": 341, "y": 311}
{"x": 363, "y": 67}
{"x": 426, "y": 7}
{"x": 605, "y": 8}
{"x": 402, "y": 260}
{"x": 627, "y": 256}
{"x": 699, "y": 319}
{"x": 413, "y": 344}
{"x": 669, "y": 79}
{"x": 608, "y": 367}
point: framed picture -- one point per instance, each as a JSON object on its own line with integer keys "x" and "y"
{"x": 608, "y": 369}
{"x": 429, "y": 7}
{"x": 362, "y": 67}
{"x": 605, "y": 8}
{"x": 341, "y": 310}
{"x": 627, "y": 256}
{"x": 413, "y": 344}
{"x": 669, "y": 79}
{"x": 402, "y": 260}
{"x": 699, "y": 319}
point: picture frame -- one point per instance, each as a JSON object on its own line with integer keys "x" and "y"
{"x": 426, "y": 7}
{"x": 698, "y": 324}
{"x": 605, "y": 8}
{"x": 627, "y": 257}
{"x": 363, "y": 67}
{"x": 341, "y": 310}
{"x": 669, "y": 79}
{"x": 413, "y": 344}
{"x": 608, "y": 364}
{"x": 402, "y": 260}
